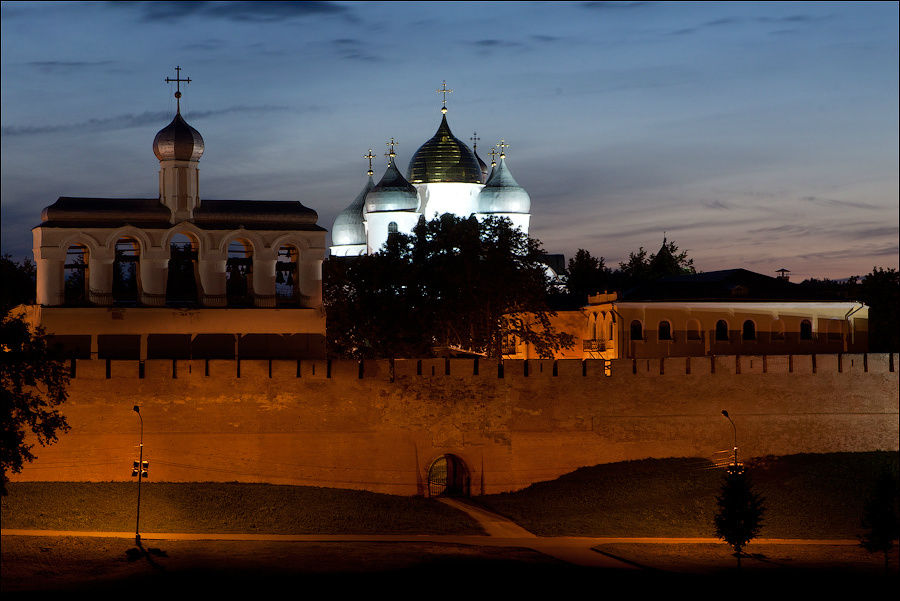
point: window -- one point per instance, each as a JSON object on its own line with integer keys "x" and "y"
{"x": 806, "y": 330}
{"x": 75, "y": 275}
{"x": 126, "y": 266}
{"x": 665, "y": 330}
{"x": 722, "y": 330}
{"x": 181, "y": 282}
{"x": 637, "y": 330}
{"x": 287, "y": 288}
{"x": 749, "y": 330}
{"x": 239, "y": 274}
{"x": 392, "y": 227}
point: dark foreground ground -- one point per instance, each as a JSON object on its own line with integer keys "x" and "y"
{"x": 417, "y": 569}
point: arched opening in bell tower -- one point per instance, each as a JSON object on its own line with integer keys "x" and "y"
{"x": 181, "y": 285}
{"x": 75, "y": 275}
{"x": 126, "y": 272}
{"x": 239, "y": 274}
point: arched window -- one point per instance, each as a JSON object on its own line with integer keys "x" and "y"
{"x": 637, "y": 330}
{"x": 239, "y": 274}
{"x": 722, "y": 330}
{"x": 287, "y": 285}
{"x": 693, "y": 330}
{"x": 806, "y": 330}
{"x": 749, "y": 330}
{"x": 75, "y": 275}
{"x": 181, "y": 284}
{"x": 392, "y": 227}
{"x": 665, "y": 330}
{"x": 126, "y": 272}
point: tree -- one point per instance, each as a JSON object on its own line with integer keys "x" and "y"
{"x": 880, "y": 290}
{"x": 642, "y": 267}
{"x": 452, "y": 284}
{"x": 33, "y": 378}
{"x": 880, "y": 517}
{"x": 741, "y": 510}
{"x": 586, "y": 275}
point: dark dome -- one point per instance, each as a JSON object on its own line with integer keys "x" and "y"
{"x": 348, "y": 226}
{"x": 178, "y": 141}
{"x": 444, "y": 158}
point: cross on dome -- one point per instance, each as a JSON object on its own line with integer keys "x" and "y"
{"x": 474, "y": 139}
{"x": 178, "y": 82}
{"x": 370, "y": 156}
{"x": 444, "y": 90}
{"x": 390, "y": 154}
{"x": 502, "y": 145}
{"x": 493, "y": 153}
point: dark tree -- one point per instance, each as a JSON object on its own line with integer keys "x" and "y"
{"x": 880, "y": 517}
{"x": 452, "y": 284}
{"x": 586, "y": 275}
{"x": 34, "y": 384}
{"x": 741, "y": 510}
{"x": 642, "y": 267}
{"x": 880, "y": 290}
{"x": 16, "y": 283}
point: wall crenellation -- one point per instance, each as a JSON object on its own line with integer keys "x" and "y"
{"x": 478, "y": 369}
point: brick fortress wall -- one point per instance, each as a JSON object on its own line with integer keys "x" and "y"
{"x": 378, "y": 425}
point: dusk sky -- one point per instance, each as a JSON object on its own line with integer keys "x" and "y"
{"x": 756, "y": 135}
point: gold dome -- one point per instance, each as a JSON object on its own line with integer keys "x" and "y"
{"x": 178, "y": 141}
{"x": 444, "y": 158}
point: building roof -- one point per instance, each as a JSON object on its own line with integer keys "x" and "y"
{"x": 150, "y": 213}
{"x": 502, "y": 193}
{"x": 392, "y": 193}
{"x": 178, "y": 141}
{"x": 349, "y": 227}
{"x": 724, "y": 285}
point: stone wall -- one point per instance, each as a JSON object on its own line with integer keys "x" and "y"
{"x": 378, "y": 425}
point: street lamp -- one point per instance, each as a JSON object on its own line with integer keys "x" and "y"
{"x": 139, "y": 468}
{"x": 734, "y": 429}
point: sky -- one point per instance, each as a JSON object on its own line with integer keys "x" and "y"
{"x": 754, "y": 135}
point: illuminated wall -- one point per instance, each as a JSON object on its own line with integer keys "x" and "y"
{"x": 379, "y": 425}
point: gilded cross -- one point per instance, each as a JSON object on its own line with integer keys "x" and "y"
{"x": 502, "y": 145}
{"x": 444, "y": 90}
{"x": 370, "y": 156}
{"x": 493, "y": 153}
{"x": 390, "y": 153}
{"x": 474, "y": 139}
{"x": 178, "y": 81}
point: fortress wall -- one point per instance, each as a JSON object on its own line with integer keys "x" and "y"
{"x": 377, "y": 425}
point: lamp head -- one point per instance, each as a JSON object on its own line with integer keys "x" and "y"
{"x": 137, "y": 409}
{"x": 725, "y": 413}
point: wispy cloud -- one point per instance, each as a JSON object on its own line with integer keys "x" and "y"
{"x": 256, "y": 12}
{"x": 352, "y": 49}
{"x": 129, "y": 120}
{"x": 726, "y": 21}
{"x": 614, "y": 5}
{"x": 833, "y": 202}
{"x": 716, "y": 204}
{"x": 56, "y": 66}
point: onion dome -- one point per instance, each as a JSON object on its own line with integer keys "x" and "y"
{"x": 502, "y": 194}
{"x": 349, "y": 227}
{"x": 444, "y": 158}
{"x": 484, "y": 167}
{"x": 178, "y": 141}
{"x": 392, "y": 193}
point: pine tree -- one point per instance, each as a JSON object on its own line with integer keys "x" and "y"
{"x": 880, "y": 518}
{"x": 741, "y": 510}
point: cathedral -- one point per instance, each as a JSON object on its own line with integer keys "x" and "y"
{"x": 444, "y": 176}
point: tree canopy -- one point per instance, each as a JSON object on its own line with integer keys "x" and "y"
{"x": 33, "y": 378}
{"x": 453, "y": 283}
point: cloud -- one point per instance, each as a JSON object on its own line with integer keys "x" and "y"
{"x": 352, "y": 49}
{"x": 613, "y": 5}
{"x": 129, "y": 120}
{"x": 495, "y": 43}
{"x": 545, "y": 38}
{"x": 55, "y": 66}
{"x": 209, "y": 44}
{"x": 716, "y": 204}
{"x": 254, "y": 12}
{"x": 832, "y": 202}
{"x": 724, "y": 21}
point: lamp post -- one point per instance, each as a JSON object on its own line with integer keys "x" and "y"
{"x": 139, "y": 470}
{"x": 734, "y": 429}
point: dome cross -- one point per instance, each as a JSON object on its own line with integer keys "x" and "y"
{"x": 444, "y": 90}
{"x": 493, "y": 153}
{"x": 178, "y": 81}
{"x": 370, "y": 156}
{"x": 502, "y": 145}
{"x": 474, "y": 139}
{"x": 390, "y": 154}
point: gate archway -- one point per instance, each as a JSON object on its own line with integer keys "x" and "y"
{"x": 448, "y": 476}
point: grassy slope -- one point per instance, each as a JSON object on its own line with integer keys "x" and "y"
{"x": 807, "y": 496}
{"x": 225, "y": 507}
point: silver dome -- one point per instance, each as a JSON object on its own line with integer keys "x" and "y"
{"x": 502, "y": 194}
{"x": 392, "y": 193}
{"x": 349, "y": 227}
